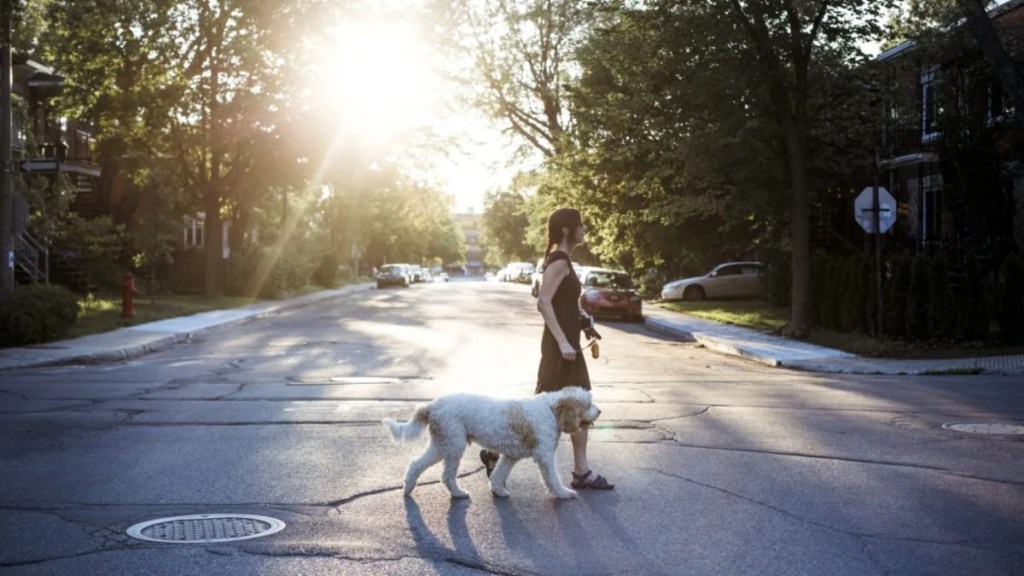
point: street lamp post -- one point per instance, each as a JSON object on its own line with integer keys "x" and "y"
{"x": 6, "y": 183}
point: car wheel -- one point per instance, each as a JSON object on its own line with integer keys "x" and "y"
{"x": 535, "y": 291}
{"x": 693, "y": 294}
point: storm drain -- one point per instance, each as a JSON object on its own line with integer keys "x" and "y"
{"x": 985, "y": 427}
{"x": 206, "y": 528}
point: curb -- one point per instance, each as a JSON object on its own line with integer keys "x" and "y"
{"x": 162, "y": 340}
{"x": 709, "y": 342}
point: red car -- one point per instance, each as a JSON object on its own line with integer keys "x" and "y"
{"x": 610, "y": 293}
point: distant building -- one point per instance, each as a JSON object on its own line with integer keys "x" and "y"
{"x": 471, "y": 226}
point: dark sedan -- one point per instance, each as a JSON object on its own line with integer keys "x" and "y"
{"x": 393, "y": 275}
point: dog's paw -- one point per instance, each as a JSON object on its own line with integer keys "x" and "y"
{"x": 500, "y": 491}
{"x": 565, "y": 493}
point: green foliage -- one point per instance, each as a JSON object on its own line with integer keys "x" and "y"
{"x": 94, "y": 246}
{"x": 326, "y": 273}
{"x": 505, "y": 222}
{"x": 972, "y": 305}
{"x": 896, "y": 296}
{"x": 827, "y": 296}
{"x": 1011, "y": 300}
{"x": 36, "y": 313}
{"x": 941, "y": 318}
{"x": 917, "y": 299}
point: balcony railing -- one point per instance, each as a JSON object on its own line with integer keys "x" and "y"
{"x": 70, "y": 145}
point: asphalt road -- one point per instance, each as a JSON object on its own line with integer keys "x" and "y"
{"x": 722, "y": 466}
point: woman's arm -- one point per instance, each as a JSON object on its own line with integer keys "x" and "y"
{"x": 554, "y": 273}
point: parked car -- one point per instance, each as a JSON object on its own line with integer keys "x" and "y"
{"x": 394, "y": 275}
{"x": 537, "y": 276}
{"x": 610, "y": 293}
{"x": 516, "y": 272}
{"x": 729, "y": 280}
{"x": 441, "y": 277}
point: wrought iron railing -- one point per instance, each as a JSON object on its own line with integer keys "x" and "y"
{"x": 32, "y": 258}
{"x": 72, "y": 144}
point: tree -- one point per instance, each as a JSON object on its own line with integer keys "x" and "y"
{"x": 504, "y": 222}
{"x": 201, "y": 82}
{"x": 679, "y": 150}
{"x": 785, "y": 38}
{"x": 517, "y": 52}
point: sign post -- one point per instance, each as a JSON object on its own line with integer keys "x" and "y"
{"x": 875, "y": 211}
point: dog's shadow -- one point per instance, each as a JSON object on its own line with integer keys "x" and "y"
{"x": 431, "y": 547}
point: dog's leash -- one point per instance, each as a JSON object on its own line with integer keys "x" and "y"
{"x": 593, "y": 345}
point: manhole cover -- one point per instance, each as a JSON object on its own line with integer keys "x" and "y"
{"x": 985, "y": 427}
{"x": 206, "y": 528}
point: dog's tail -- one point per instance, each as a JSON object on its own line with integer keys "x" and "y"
{"x": 406, "y": 431}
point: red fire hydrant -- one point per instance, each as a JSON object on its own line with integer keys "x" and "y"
{"x": 128, "y": 293}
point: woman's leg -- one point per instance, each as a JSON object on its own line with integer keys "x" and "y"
{"x": 579, "y": 452}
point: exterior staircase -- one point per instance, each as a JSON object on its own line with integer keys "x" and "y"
{"x": 31, "y": 260}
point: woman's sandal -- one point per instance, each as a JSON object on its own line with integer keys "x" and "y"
{"x": 490, "y": 460}
{"x": 595, "y": 482}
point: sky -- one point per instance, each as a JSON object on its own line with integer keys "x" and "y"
{"x": 382, "y": 81}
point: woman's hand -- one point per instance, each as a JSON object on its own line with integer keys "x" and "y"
{"x": 568, "y": 352}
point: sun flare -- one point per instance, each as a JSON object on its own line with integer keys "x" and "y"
{"x": 377, "y": 78}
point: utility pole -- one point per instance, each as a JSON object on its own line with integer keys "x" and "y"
{"x": 6, "y": 183}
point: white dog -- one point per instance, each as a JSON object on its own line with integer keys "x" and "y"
{"x": 515, "y": 429}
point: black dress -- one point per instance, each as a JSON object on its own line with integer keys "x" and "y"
{"x": 555, "y": 372}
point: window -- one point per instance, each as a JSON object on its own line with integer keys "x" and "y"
{"x": 193, "y": 236}
{"x": 931, "y": 108}
{"x": 730, "y": 271}
{"x": 999, "y": 106}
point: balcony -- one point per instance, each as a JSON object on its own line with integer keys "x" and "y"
{"x": 65, "y": 150}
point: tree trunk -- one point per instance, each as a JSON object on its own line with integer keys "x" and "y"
{"x": 213, "y": 238}
{"x": 800, "y": 236}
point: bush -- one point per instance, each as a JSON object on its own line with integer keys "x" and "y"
{"x": 35, "y": 314}
{"x": 1011, "y": 300}
{"x": 917, "y": 300}
{"x": 896, "y": 297}
{"x": 972, "y": 306}
{"x": 940, "y": 300}
{"x": 326, "y": 274}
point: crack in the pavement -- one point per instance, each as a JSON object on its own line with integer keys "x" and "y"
{"x": 851, "y": 533}
{"x": 813, "y": 456}
{"x": 446, "y": 556}
{"x": 36, "y": 561}
{"x": 15, "y": 394}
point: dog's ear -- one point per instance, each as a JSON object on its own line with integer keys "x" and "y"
{"x": 569, "y": 413}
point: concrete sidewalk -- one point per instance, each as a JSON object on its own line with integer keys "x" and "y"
{"x": 783, "y": 352}
{"x": 135, "y": 341}
{"x": 751, "y": 344}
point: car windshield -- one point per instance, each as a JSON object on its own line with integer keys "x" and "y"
{"x": 616, "y": 280}
{"x": 391, "y": 269}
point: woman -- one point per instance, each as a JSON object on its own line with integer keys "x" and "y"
{"x": 562, "y": 362}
